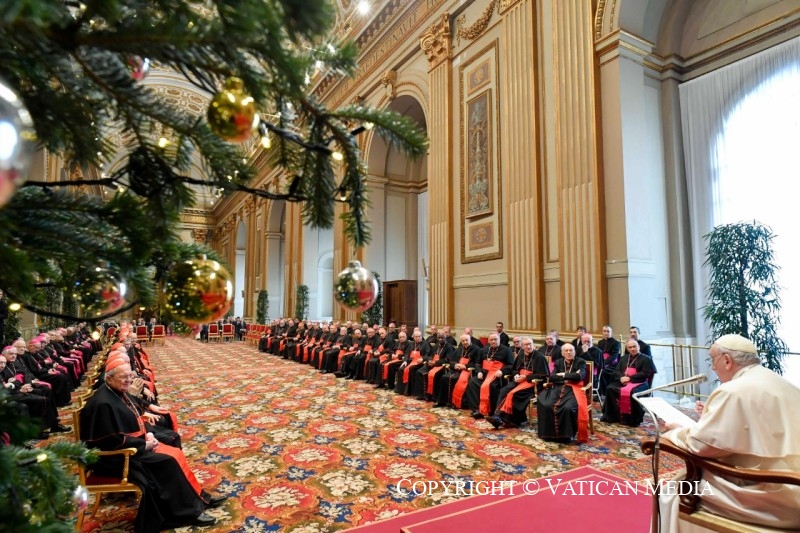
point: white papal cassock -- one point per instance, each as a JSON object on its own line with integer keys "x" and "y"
{"x": 751, "y": 421}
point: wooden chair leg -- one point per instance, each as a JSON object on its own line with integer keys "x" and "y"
{"x": 97, "y": 497}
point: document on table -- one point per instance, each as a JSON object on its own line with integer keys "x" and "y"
{"x": 666, "y": 412}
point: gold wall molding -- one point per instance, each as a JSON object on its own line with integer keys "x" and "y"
{"x": 197, "y": 216}
{"x": 477, "y": 28}
{"x": 505, "y": 5}
{"x": 435, "y": 42}
{"x": 377, "y": 48}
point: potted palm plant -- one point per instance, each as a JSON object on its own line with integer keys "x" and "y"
{"x": 742, "y": 291}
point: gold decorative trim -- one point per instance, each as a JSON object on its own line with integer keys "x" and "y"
{"x": 475, "y": 30}
{"x": 505, "y": 5}
{"x": 598, "y": 19}
{"x": 436, "y": 42}
{"x": 498, "y": 217}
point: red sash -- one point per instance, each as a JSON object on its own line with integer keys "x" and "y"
{"x": 369, "y": 355}
{"x": 491, "y": 368}
{"x": 625, "y": 393}
{"x": 416, "y": 360}
{"x": 386, "y": 366}
{"x": 461, "y": 384}
{"x": 507, "y": 405}
{"x": 583, "y": 411}
{"x": 432, "y": 374}
{"x": 342, "y": 353}
{"x": 173, "y": 420}
{"x": 177, "y": 454}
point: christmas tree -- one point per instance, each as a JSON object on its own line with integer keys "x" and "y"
{"x": 73, "y": 78}
{"x": 73, "y": 82}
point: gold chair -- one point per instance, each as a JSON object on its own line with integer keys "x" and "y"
{"x": 694, "y": 473}
{"x": 227, "y": 332}
{"x": 159, "y": 334}
{"x": 141, "y": 335}
{"x": 98, "y": 485}
{"x": 213, "y": 332}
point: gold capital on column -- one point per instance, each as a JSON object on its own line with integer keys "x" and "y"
{"x": 436, "y": 43}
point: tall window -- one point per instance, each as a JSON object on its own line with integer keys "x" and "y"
{"x": 759, "y": 179}
{"x": 741, "y": 131}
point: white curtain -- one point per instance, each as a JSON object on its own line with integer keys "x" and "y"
{"x": 741, "y": 136}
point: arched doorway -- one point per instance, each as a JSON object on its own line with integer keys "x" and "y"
{"x": 239, "y": 276}
{"x": 275, "y": 232}
{"x": 398, "y": 192}
{"x": 324, "y": 309}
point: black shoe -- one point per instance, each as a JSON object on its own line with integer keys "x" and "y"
{"x": 58, "y": 428}
{"x": 339, "y": 374}
{"x": 603, "y": 419}
{"x": 496, "y": 421}
{"x": 216, "y": 501}
{"x": 42, "y": 436}
{"x": 203, "y": 520}
{"x": 476, "y": 415}
{"x": 434, "y": 406}
{"x": 350, "y": 376}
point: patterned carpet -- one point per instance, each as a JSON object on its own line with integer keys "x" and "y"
{"x": 299, "y": 451}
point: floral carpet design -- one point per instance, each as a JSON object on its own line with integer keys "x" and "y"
{"x": 300, "y": 451}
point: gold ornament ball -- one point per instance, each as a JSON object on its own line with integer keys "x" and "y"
{"x": 100, "y": 292}
{"x": 356, "y": 288}
{"x": 232, "y": 113}
{"x": 198, "y": 291}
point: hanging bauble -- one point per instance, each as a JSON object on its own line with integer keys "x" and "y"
{"x": 356, "y": 288}
{"x": 198, "y": 291}
{"x": 80, "y": 497}
{"x": 139, "y": 67}
{"x": 232, "y": 113}
{"x": 17, "y": 142}
{"x": 100, "y": 292}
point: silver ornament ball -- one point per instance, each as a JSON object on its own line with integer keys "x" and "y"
{"x": 17, "y": 142}
{"x": 81, "y": 497}
{"x": 139, "y": 67}
{"x": 356, "y": 288}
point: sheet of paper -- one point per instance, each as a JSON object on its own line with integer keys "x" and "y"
{"x": 666, "y": 412}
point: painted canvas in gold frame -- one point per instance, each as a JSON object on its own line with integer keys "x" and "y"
{"x": 478, "y": 190}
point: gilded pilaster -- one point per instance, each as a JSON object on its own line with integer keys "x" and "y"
{"x": 436, "y": 43}
{"x": 579, "y": 189}
{"x": 293, "y": 266}
{"x": 250, "y": 256}
{"x": 519, "y": 152}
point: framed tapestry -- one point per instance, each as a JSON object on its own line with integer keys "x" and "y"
{"x": 481, "y": 222}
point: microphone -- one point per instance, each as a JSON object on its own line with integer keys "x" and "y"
{"x": 698, "y": 378}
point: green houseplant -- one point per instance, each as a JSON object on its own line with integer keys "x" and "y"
{"x": 742, "y": 291}
{"x": 301, "y": 303}
{"x": 262, "y": 307}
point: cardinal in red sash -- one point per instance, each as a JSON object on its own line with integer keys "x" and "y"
{"x": 496, "y": 361}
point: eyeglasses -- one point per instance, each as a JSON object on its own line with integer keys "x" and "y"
{"x": 710, "y": 360}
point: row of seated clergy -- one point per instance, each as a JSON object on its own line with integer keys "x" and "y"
{"x": 114, "y": 419}
{"x": 562, "y": 404}
{"x": 465, "y": 377}
{"x": 41, "y": 374}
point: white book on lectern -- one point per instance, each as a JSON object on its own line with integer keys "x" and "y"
{"x": 666, "y": 412}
